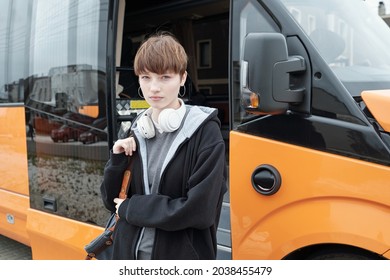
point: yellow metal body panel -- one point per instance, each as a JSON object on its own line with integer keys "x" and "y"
{"x": 13, "y": 150}
{"x": 323, "y": 198}
{"x": 14, "y": 200}
{"x": 13, "y": 215}
{"x": 378, "y": 101}
{"x": 59, "y": 238}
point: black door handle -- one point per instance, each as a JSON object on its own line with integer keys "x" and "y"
{"x": 266, "y": 179}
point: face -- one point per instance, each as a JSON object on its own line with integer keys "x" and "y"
{"x": 161, "y": 90}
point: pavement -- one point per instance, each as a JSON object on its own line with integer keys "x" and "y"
{"x": 13, "y": 250}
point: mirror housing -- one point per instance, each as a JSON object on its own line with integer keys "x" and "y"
{"x": 265, "y": 74}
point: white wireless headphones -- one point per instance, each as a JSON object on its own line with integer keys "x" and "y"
{"x": 169, "y": 120}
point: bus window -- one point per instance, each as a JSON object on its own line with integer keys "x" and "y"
{"x": 66, "y": 101}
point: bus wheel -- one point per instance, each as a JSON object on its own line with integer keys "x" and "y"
{"x": 343, "y": 253}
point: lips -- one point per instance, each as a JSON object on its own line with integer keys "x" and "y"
{"x": 155, "y": 98}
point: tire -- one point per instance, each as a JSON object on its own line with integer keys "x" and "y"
{"x": 343, "y": 253}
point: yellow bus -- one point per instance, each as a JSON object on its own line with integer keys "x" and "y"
{"x": 301, "y": 87}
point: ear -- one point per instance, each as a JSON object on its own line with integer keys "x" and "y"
{"x": 183, "y": 79}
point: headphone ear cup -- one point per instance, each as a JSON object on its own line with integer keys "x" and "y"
{"x": 169, "y": 120}
{"x": 146, "y": 127}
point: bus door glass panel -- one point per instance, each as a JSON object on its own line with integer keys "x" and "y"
{"x": 66, "y": 99}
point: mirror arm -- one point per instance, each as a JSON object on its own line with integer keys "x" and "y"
{"x": 281, "y": 80}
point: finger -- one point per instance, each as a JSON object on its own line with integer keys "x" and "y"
{"x": 118, "y": 147}
{"x": 126, "y": 147}
{"x": 134, "y": 144}
{"x": 130, "y": 146}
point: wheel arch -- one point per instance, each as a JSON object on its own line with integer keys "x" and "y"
{"x": 300, "y": 228}
{"x": 344, "y": 250}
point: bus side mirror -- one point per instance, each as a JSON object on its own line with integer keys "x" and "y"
{"x": 266, "y": 87}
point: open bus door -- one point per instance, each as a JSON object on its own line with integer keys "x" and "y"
{"x": 202, "y": 27}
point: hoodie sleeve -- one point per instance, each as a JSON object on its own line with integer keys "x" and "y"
{"x": 200, "y": 207}
{"x": 112, "y": 179}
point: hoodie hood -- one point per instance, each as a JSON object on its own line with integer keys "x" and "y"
{"x": 195, "y": 117}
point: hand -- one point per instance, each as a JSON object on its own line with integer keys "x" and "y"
{"x": 118, "y": 202}
{"x": 126, "y": 145}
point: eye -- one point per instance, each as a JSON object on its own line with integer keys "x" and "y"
{"x": 144, "y": 77}
{"x": 165, "y": 77}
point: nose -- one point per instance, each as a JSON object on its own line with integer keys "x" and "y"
{"x": 154, "y": 85}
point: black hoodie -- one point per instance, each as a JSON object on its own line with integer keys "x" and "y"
{"x": 185, "y": 211}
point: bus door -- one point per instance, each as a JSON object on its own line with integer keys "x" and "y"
{"x": 65, "y": 99}
{"x": 202, "y": 27}
{"x": 309, "y": 159}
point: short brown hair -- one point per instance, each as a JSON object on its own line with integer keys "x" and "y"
{"x": 159, "y": 54}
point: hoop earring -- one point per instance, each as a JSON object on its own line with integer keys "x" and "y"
{"x": 184, "y": 91}
{"x": 140, "y": 93}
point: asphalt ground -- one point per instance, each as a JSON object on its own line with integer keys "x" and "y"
{"x": 13, "y": 250}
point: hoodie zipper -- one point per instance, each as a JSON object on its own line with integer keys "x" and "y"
{"x": 141, "y": 233}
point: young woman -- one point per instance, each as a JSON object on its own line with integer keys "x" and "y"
{"x": 179, "y": 173}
